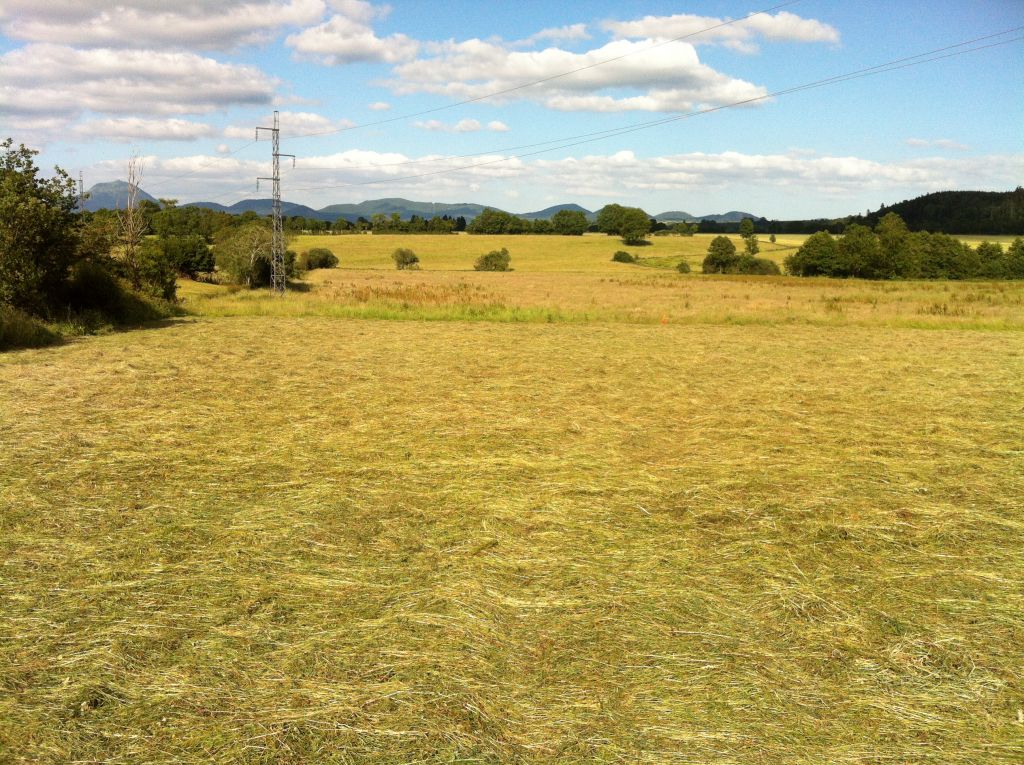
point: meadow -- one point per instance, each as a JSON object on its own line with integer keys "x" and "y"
{"x": 580, "y": 512}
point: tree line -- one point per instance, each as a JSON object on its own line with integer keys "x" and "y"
{"x": 891, "y": 250}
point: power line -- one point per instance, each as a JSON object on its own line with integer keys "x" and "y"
{"x": 611, "y": 132}
{"x": 542, "y": 80}
{"x": 570, "y": 141}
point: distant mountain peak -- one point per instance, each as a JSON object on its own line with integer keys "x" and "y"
{"x": 113, "y": 195}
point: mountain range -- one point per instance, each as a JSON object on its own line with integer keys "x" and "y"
{"x": 114, "y": 194}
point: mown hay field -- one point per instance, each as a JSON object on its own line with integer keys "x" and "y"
{"x": 575, "y": 526}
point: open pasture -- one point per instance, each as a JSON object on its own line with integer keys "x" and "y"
{"x": 543, "y": 526}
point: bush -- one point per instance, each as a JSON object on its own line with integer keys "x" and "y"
{"x": 159, "y": 274}
{"x": 189, "y": 255}
{"x": 623, "y": 257}
{"x": 748, "y": 264}
{"x": 495, "y": 260}
{"x": 683, "y": 267}
{"x": 318, "y": 257}
{"x": 92, "y": 287}
{"x": 19, "y": 330}
{"x": 405, "y": 259}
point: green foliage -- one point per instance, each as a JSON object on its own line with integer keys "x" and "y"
{"x": 748, "y": 264}
{"x": 750, "y": 244}
{"x": 960, "y": 212}
{"x": 93, "y": 287}
{"x": 684, "y": 229}
{"x": 189, "y": 255}
{"x": 630, "y": 223}
{"x": 747, "y": 228}
{"x": 1013, "y": 261}
{"x": 623, "y": 257}
{"x": 771, "y": 238}
{"x": 892, "y": 251}
{"x": 19, "y": 330}
{"x": 405, "y": 259}
{"x": 683, "y": 267}
{"x": 569, "y": 222}
{"x": 817, "y": 256}
{"x": 243, "y": 254}
{"x": 157, "y": 270}
{"x": 495, "y": 260}
{"x": 319, "y": 257}
{"x": 492, "y": 221}
{"x": 721, "y": 257}
{"x": 38, "y": 239}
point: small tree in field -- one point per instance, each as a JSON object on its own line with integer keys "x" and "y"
{"x": 746, "y": 228}
{"x": 721, "y": 257}
{"x": 405, "y": 259}
{"x": 495, "y": 260}
{"x": 751, "y": 246}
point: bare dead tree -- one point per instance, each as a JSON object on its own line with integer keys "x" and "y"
{"x": 132, "y": 224}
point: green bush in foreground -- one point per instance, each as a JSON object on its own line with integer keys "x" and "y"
{"x": 495, "y": 260}
{"x": 405, "y": 259}
{"x": 19, "y": 330}
{"x": 623, "y": 257}
{"x": 683, "y": 267}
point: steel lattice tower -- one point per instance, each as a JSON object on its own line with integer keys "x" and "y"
{"x": 278, "y": 277}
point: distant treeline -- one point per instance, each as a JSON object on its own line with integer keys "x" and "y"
{"x": 945, "y": 212}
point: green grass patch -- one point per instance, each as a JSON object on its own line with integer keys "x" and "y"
{"x": 19, "y": 330}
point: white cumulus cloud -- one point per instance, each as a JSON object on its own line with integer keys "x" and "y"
{"x": 740, "y": 35}
{"x": 43, "y": 79}
{"x": 203, "y": 24}
{"x": 348, "y": 37}
{"x": 128, "y": 129}
{"x": 666, "y": 78}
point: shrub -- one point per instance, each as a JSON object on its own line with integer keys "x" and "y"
{"x": 189, "y": 255}
{"x": 683, "y": 267}
{"x": 319, "y": 257}
{"x": 495, "y": 260}
{"x": 1013, "y": 260}
{"x": 19, "y": 330}
{"x": 405, "y": 259}
{"x": 748, "y": 264}
{"x": 721, "y": 257}
{"x": 158, "y": 272}
{"x": 623, "y": 257}
{"x": 92, "y": 287}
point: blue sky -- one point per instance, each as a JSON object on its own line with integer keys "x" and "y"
{"x": 182, "y": 85}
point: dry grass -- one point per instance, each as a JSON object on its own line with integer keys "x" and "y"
{"x": 629, "y": 294}
{"x": 298, "y": 538}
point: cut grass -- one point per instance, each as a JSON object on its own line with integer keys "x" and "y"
{"x": 285, "y": 540}
{"x": 621, "y": 516}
